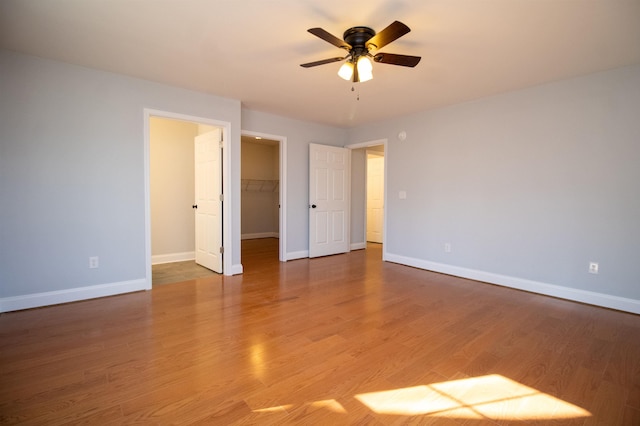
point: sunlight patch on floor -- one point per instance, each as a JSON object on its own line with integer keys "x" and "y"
{"x": 325, "y": 404}
{"x": 493, "y": 396}
{"x": 275, "y": 409}
{"x": 329, "y": 404}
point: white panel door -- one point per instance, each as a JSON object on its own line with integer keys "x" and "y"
{"x": 375, "y": 197}
{"x": 208, "y": 207}
{"x": 329, "y": 200}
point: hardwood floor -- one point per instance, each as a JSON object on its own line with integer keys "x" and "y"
{"x": 343, "y": 339}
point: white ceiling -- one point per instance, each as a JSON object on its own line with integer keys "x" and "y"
{"x": 251, "y": 49}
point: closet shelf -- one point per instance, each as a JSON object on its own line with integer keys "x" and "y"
{"x": 260, "y": 185}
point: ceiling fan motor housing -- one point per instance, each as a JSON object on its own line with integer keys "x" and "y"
{"x": 357, "y": 37}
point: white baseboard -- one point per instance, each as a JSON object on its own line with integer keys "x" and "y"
{"x": 172, "y": 257}
{"x": 303, "y": 254}
{"x": 260, "y": 235}
{"x": 568, "y": 293}
{"x": 37, "y": 300}
{"x": 297, "y": 255}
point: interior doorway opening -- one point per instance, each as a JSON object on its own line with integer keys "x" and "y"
{"x": 362, "y": 151}
{"x": 175, "y": 173}
{"x": 225, "y": 219}
{"x": 263, "y": 191}
{"x": 375, "y": 195}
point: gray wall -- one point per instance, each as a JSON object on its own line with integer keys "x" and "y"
{"x": 528, "y": 187}
{"x": 72, "y": 179}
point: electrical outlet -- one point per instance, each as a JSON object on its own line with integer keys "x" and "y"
{"x": 447, "y": 247}
{"x": 593, "y": 267}
{"x": 93, "y": 262}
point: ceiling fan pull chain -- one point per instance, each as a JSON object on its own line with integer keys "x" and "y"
{"x": 353, "y": 89}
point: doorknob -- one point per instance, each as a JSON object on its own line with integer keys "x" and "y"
{"x": 195, "y": 206}
{"x": 313, "y": 206}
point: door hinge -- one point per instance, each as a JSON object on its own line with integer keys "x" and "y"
{"x": 221, "y": 250}
{"x": 221, "y": 197}
{"x": 221, "y": 143}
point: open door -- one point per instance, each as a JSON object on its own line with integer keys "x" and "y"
{"x": 208, "y": 205}
{"x": 329, "y": 200}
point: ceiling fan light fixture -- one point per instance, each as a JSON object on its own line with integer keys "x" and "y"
{"x": 346, "y": 71}
{"x": 359, "y": 42}
{"x": 365, "y": 69}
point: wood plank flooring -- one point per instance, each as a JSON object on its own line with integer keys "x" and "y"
{"x": 343, "y": 339}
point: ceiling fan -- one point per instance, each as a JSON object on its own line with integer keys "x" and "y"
{"x": 360, "y": 42}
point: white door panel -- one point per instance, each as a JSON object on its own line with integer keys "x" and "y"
{"x": 208, "y": 189}
{"x": 329, "y": 178}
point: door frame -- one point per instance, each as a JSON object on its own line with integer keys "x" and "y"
{"x": 368, "y": 144}
{"x": 282, "y": 196}
{"x": 227, "y": 240}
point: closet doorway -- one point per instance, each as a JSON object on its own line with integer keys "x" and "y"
{"x": 262, "y": 193}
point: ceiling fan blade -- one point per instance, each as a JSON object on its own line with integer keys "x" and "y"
{"x": 404, "y": 60}
{"x": 322, "y": 62}
{"x": 319, "y": 32}
{"x": 393, "y": 32}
